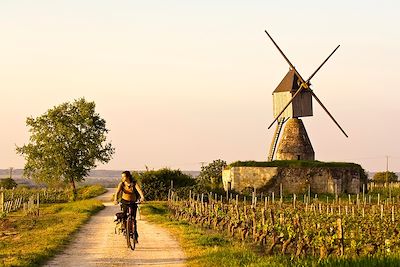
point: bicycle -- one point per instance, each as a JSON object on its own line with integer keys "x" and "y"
{"x": 130, "y": 227}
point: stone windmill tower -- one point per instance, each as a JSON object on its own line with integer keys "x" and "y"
{"x": 292, "y": 99}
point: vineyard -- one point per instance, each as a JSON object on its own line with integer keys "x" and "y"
{"x": 29, "y": 199}
{"x": 298, "y": 226}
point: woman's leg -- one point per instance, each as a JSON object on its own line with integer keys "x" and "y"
{"x": 124, "y": 208}
{"x": 134, "y": 211}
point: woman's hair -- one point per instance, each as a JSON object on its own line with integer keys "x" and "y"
{"x": 128, "y": 175}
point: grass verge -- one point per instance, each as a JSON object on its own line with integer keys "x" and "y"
{"x": 30, "y": 241}
{"x": 90, "y": 191}
{"x": 208, "y": 248}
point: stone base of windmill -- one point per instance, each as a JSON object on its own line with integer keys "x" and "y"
{"x": 295, "y": 169}
{"x": 296, "y": 177}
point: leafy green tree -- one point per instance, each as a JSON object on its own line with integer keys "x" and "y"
{"x": 8, "y": 183}
{"x": 66, "y": 143}
{"x": 211, "y": 174}
{"x": 380, "y": 177}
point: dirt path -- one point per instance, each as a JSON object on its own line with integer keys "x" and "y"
{"x": 97, "y": 245}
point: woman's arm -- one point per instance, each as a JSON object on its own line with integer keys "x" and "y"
{"x": 140, "y": 192}
{"x": 119, "y": 188}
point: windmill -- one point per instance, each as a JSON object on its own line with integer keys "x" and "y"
{"x": 292, "y": 99}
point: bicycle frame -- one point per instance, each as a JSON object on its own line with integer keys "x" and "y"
{"x": 130, "y": 227}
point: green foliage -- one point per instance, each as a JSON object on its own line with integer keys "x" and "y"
{"x": 66, "y": 143}
{"x": 211, "y": 174}
{"x": 385, "y": 177}
{"x": 294, "y": 164}
{"x": 8, "y": 183}
{"x": 155, "y": 184}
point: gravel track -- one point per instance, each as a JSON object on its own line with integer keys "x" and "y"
{"x": 96, "y": 244}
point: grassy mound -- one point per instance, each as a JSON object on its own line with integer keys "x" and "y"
{"x": 295, "y": 164}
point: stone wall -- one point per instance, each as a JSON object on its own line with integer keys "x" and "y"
{"x": 293, "y": 180}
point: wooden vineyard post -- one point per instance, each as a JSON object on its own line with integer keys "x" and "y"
{"x": 358, "y": 201}
{"x": 265, "y": 202}
{"x": 281, "y": 192}
{"x": 263, "y": 216}
{"x": 253, "y": 211}
{"x": 2, "y": 202}
{"x": 336, "y": 192}
{"x": 363, "y": 191}
{"x": 340, "y": 236}
{"x": 273, "y": 198}
{"x": 294, "y": 201}
{"x": 392, "y": 213}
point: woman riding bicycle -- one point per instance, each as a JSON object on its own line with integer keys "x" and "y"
{"x": 131, "y": 195}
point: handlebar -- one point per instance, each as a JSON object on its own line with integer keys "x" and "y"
{"x": 137, "y": 202}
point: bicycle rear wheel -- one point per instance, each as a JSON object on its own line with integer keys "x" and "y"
{"x": 130, "y": 234}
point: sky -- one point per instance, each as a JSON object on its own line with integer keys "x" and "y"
{"x": 185, "y": 82}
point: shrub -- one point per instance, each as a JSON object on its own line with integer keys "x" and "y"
{"x": 8, "y": 183}
{"x": 383, "y": 177}
{"x": 155, "y": 184}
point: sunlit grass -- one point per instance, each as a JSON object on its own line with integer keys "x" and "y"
{"x": 29, "y": 240}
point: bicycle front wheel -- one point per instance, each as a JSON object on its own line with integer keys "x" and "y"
{"x": 130, "y": 234}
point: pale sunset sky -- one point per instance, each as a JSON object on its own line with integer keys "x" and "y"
{"x": 184, "y": 82}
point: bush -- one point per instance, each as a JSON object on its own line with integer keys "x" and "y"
{"x": 211, "y": 174}
{"x": 155, "y": 184}
{"x": 8, "y": 183}
{"x": 380, "y": 177}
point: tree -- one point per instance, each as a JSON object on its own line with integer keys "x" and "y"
{"x": 66, "y": 143}
{"x": 380, "y": 177}
{"x": 211, "y": 174}
{"x": 8, "y": 183}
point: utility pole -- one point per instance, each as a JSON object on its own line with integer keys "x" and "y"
{"x": 387, "y": 169}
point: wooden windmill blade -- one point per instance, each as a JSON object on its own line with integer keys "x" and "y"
{"x": 320, "y": 66}
{"x": 330, "y": 115}
{"x": 285, "y": 57}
